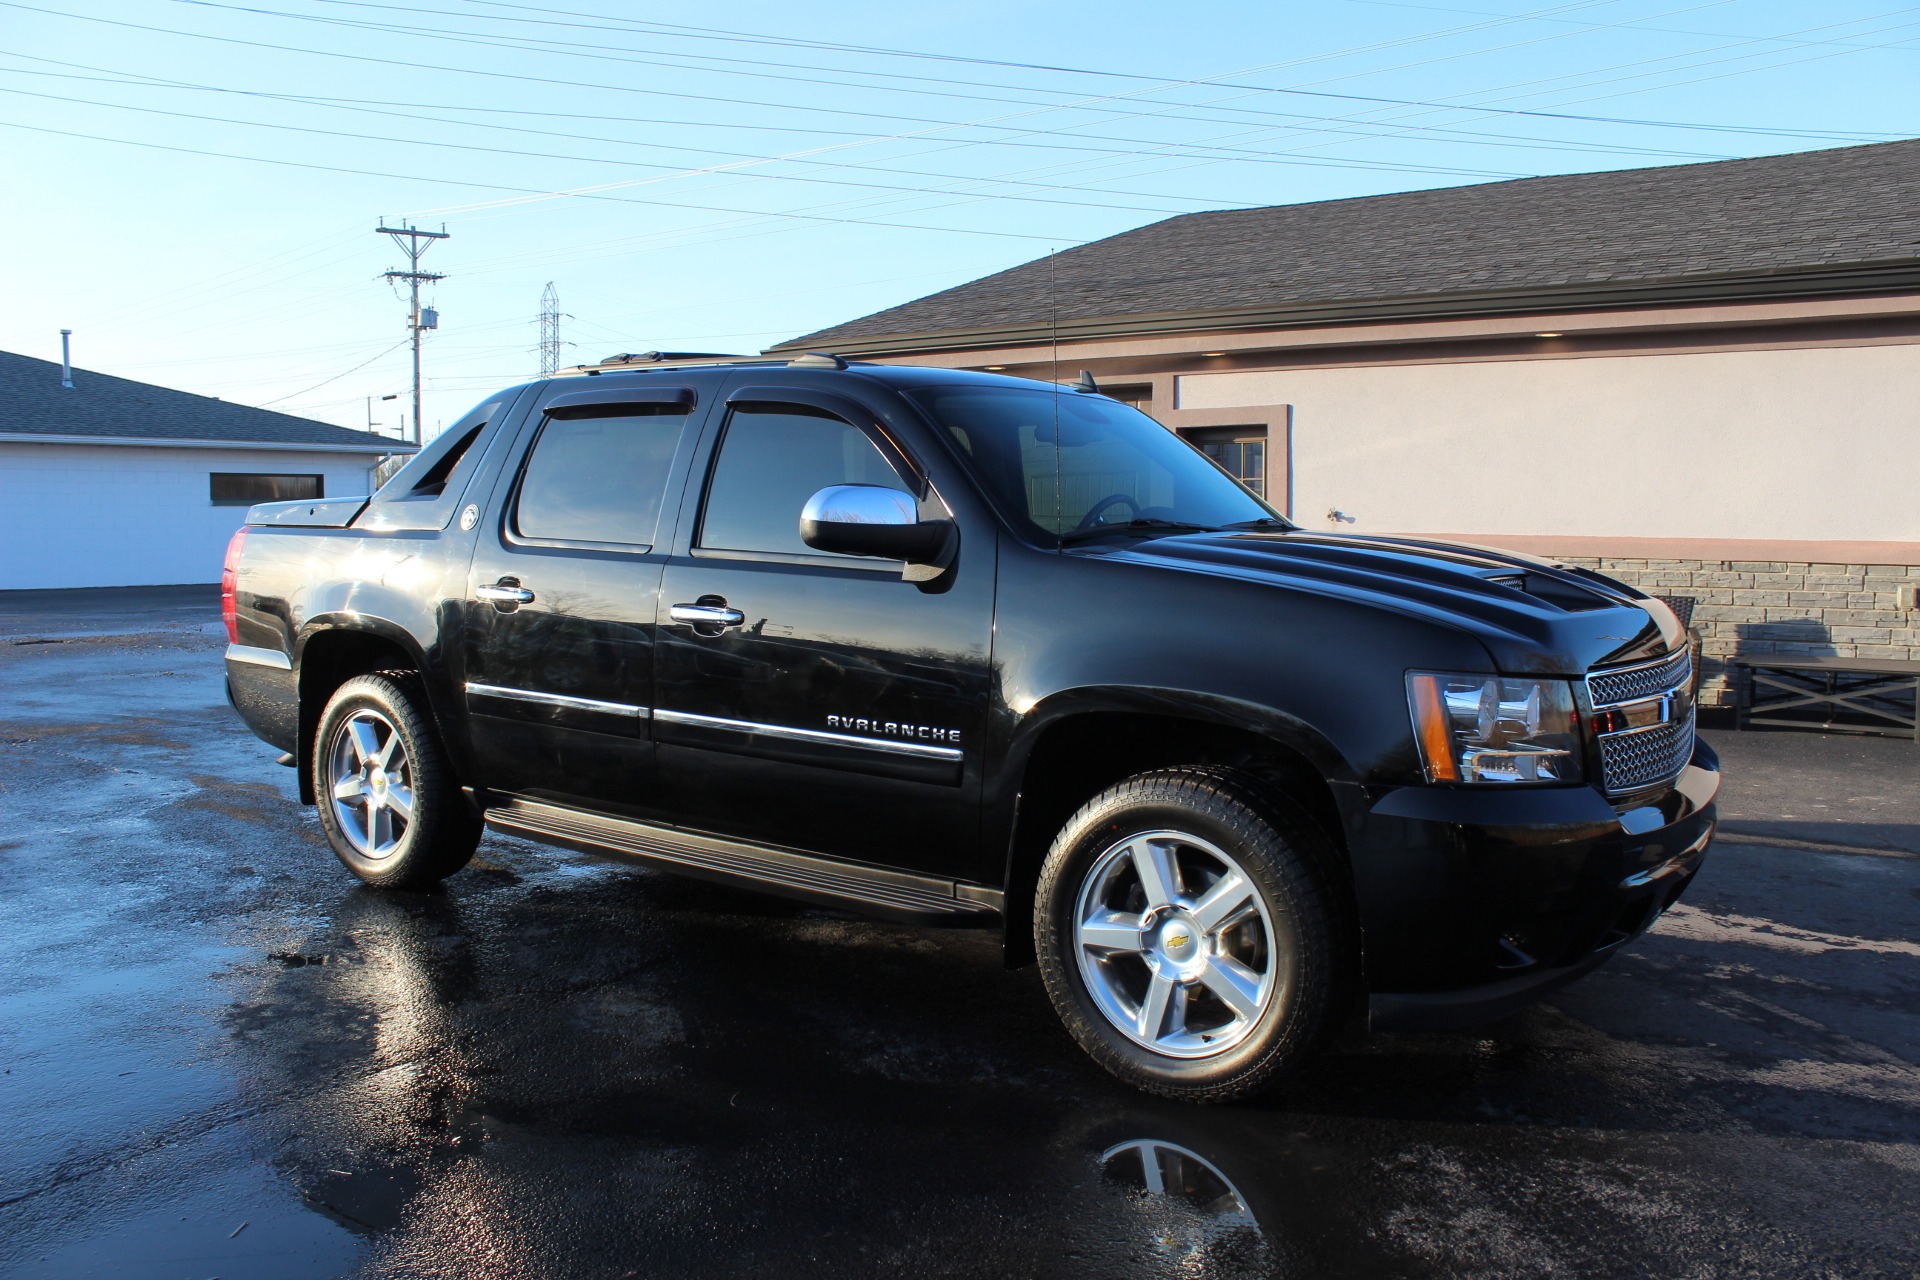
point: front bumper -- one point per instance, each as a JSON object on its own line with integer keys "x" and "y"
{"x": 1472, "y": 904}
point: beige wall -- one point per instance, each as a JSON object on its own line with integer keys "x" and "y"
{"x": 1812, "y": 444}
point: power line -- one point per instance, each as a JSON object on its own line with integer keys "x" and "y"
{"x": 335, "y": 378}
{"x": 935, "y": 125}
{"x": 715, "y": 33}
{"x": 413, "y": 111}
{"x": 788, "y": 106}
{"x": 522, "y": 191}
{"x": 671, "y": 171}
{"x": 1633, "y": 26}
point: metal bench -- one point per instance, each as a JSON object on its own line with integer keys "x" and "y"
{"x": 1872, "y": 687}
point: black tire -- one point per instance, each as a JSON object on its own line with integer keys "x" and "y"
{"x": 439, "y": 836}
{"x": 1284, "y": 855}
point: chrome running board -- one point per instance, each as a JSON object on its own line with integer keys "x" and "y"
{"x": 873, "y": 891}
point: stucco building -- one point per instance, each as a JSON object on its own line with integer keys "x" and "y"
{"x": 1701, "y": 378}
{"x": 116, "y": 483}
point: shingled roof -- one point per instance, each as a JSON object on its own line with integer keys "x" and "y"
{"x": 1845, "y": 220}
{"x": 99, "y": 406}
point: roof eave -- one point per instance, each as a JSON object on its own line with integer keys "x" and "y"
{"x": 1901, "y": 275}
{"x": 373, "y": 450}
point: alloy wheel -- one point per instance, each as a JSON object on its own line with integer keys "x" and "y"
{"x": 1176, "y": 945}
{"x": 372, "y": 791}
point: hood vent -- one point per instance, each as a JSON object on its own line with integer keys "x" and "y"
{"x": 1555, "y": 590}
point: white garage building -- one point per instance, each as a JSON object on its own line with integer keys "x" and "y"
{"x": 114, "y": 483}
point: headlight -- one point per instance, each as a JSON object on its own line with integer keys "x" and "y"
{"x": 1495, "y": 728}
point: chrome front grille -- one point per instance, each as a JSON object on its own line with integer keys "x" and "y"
{"x": 1630, "y": 684}
{"x": 1653, "y": 705}
{"x": 1643, "y": 758}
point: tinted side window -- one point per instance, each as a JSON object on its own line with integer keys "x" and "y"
{"x": 600, "y": 479}
{"x": 771, "y": 461}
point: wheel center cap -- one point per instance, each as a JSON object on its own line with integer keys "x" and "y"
{"x": 1178, "y": 939}
{"x": 377, "y": 778}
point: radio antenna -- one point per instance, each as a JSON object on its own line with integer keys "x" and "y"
{"x": 1053, "y": 332}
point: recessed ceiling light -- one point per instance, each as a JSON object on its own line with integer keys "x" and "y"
{"x": 995, "y": 368}
{"x": 1549, "y": 335}
{"x": 1213, "y": 353}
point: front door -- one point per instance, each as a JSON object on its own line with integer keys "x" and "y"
{"x": 819, "y": 701}
{"x": 563, "y": 595}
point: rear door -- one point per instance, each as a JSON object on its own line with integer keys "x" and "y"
{"x": 563, "y": 592}
{"x": 833, "y": 707}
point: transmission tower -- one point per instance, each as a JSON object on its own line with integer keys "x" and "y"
{"x": 549, "y": 332}
{"x": 414, "y": 243}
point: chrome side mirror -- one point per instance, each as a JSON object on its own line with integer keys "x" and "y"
{"x": 871, "y": 520}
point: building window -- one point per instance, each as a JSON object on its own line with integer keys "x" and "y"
{"x": 244, "y": 488}
{"x": 1140, "y": 398}
{"x": 1241, "y": 450}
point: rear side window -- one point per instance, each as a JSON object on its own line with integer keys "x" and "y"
{"x": 600, "y": 479}
{"x": 426, "y": 474}
{"x": 772, "y": 459}
{"x": 425, "y": 492}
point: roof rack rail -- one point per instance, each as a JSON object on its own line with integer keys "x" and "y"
{"x": 661, "y": 360}
{"x": 672, "y": 357}
{"x": 817, "y": 360}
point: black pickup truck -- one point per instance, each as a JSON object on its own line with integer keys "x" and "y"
{"x": 956, "y": 648}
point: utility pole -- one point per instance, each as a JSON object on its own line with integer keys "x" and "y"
{"x": 411, "y": 244}
{"x": 549, "y": 332}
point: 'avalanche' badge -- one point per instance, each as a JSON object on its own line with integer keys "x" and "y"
{"x": 470, "y": 517}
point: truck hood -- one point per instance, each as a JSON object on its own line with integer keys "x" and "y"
{"x": 1532, "y": 615}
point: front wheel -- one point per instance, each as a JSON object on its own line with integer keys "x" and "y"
{"x": 1185, "y": 932}
{"x": 389, "y": 801}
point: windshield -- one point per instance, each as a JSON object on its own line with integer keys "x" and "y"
{"x": 1067, "y": 466}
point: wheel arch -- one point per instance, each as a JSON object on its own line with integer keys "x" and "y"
{"x": 332, "y": 649}
{"x": 1074, "y": 745}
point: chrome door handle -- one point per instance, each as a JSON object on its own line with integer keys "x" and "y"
{"x": 707, "y": 615}
{"x": 504, "y": 593}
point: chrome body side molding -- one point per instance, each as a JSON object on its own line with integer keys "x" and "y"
{"x": 890, "y": 746}
{"x": 557, "y": 700}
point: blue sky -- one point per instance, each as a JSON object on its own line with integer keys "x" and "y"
{"x": 193, "y": 186}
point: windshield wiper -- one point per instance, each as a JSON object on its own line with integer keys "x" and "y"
{"x": 1144, "y": 524}
{"x": 1263, "y": 522}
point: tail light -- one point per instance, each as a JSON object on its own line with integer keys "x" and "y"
{"x": 229, "y": 580}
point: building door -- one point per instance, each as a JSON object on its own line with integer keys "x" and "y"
{"x": 1241, "y": 450}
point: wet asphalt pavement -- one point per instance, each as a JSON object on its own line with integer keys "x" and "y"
{"x": 224, "y": 1058}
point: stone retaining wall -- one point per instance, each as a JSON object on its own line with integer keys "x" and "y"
{"x": 1765, "y": 606}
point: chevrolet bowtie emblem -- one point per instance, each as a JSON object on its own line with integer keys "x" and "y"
{"x": 1178, "y": 939}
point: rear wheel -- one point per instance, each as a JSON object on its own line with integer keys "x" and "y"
{"x": 389, "y": 801}
{"x": 1185, "y": 932}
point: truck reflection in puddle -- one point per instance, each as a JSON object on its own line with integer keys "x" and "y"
{"x": 572, "y": 1073}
